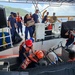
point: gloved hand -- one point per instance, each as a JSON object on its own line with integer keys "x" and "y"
{"x": 31, "y": 56}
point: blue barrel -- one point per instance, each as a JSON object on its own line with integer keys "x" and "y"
{"x": 7, "y": 39}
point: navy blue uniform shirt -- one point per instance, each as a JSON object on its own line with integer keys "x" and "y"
{"x": 35, "y": 18}
{"x": 44, "y": 19}
{"x": 12, "y": 21}
{"x": 25, "y": 20}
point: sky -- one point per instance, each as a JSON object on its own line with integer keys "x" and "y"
{"x": 16, "y": 5}
{"x": 59, "y": 10}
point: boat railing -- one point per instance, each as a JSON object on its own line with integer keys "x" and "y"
{"x": 56, "y": 29}
{"x": 6, "y": 29}
{"x": 62, "y": 18}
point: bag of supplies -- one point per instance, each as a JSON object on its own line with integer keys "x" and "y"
{"x": 30, "y": 23}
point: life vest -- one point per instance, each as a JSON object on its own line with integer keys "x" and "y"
{"x": 49, "y": 27}
{"x": 25, "y": 63}
{"x": 28, "y": 60}
{"x": 18, "y": 19}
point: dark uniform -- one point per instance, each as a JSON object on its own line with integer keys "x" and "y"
{"x": 35, "y": 18}
{"x": 13, "y": 29}
{"x": 44, "y": 19}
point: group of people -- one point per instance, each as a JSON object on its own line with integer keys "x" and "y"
{"x": 15, "y": 22}
{"x": 26, "y": 48}
{"x": 32, "y": 19}
{"x": 28, "y": 56}
{"x": 52, "y": 19}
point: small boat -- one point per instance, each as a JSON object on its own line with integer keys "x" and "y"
{"x": 53, "y": 43}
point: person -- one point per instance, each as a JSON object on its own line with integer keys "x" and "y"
{"x": 53, "y": 18}
{"x": 30, "y": 14}
{"x": 70, "y": 39}
{"x": 71, "y": 56}
{"x": 33, "y": 59}
{"x": 24, "y": 49}
{"x": 35, "y": 18}
{"x": 28, "y": 28}
{"x": 19, "y": 24}
{"x": 12, "y": 25}
{"x": 45, "y": 18}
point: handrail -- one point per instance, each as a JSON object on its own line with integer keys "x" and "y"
{"x": 68, "y": 18}
{"x": 5, "y": 44}
{"x": 6, "y": 37}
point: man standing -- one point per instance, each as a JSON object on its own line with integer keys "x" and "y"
{"x": 35, "y": 18}
{"x": 45, "y": 18}
{"x": 19, "y": 24}
{"x": 53, "y": 21}
{"x": 53, "y": 18}
{"x": 12, "y": 25}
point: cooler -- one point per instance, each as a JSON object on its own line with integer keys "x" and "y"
{"x": 40, "y": 30}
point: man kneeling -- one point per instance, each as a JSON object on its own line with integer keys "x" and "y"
{"x": 34, "y": 57}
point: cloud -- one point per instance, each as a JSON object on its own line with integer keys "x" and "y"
{"x": 33, "y": 7}
{"x": 62, "y": 10}
{"x": 4, "y": 0}
{"x": 58, "y": 10}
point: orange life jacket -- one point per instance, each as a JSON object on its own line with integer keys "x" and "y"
{"x": 28, "y": 60}
{"x": 18, "y": 19}
{"x": 49, "y": 27}
{"x": 25, "y": 63}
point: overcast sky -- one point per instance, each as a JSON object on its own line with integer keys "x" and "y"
{"x": 59, "y": 10}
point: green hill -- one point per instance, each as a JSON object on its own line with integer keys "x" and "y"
{"x": 11, "y": 9}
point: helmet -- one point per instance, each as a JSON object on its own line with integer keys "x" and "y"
{"x": 39, "y": 54}
{"x": 28, "y": 43}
